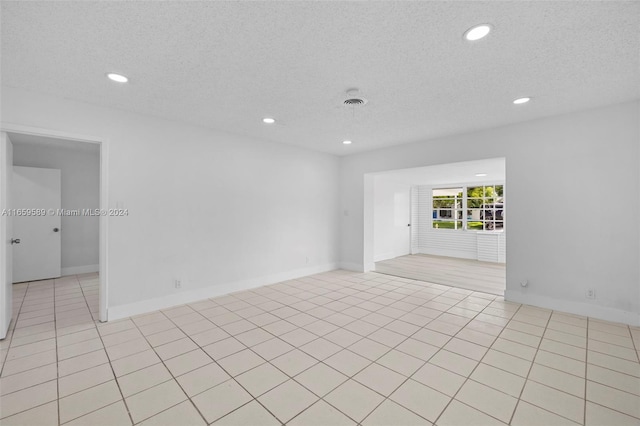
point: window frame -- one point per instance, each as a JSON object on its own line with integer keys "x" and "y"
{"x": 453, "y": 217}
{"x": 493, "y": 201}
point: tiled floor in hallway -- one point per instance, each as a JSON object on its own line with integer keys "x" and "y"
{"x": 337, "y": 348}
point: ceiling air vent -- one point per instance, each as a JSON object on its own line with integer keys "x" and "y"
{"x": 354, "y": 98}
{"x": 355, "y": 101}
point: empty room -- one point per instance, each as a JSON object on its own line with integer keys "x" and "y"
{"x": 320, "y": 213}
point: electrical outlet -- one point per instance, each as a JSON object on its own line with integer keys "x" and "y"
{"x": 178, "y": 284}
{"x": 591, "y": 293}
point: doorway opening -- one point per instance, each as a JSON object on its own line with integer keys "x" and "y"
{"x": 59, "y": 180}
{"x": 444, "y": 224}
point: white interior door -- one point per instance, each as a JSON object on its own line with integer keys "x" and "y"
{"x": 6, "y": 294}
{"x": 413, "y": 214}
{"x": 38, "y": 255}
{"x": 402, "y": 216}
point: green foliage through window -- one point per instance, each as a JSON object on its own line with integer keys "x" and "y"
{"x": 484, "y": 208}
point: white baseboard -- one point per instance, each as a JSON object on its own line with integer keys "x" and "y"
{"x": 75, "y": 270}
{"x": 577, "y": 308}
{"x": 384, "y": 256}
{"x": 191, "y": 296}
{"x": 348, "y": 266}
{"x": 389, "y": 255}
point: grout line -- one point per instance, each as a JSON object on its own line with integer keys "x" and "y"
{"x": 11, "y": 329}
{"x": 586, "y": 377}
{"x": 115, "y": 379}
{"x": 425, "y": 361}
{"x": 295, "y": 348}
{"x": 112, "y": 371}
{"x": 468, "y": 377}
{"x": 55, "y": 328}
{"x": 302, "y": 291}
{"x": 636, "y": 349}
{"x": 530, "y": 368}
{"x": 174, "y": 378}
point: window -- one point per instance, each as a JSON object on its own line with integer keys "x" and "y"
{"x": 483, "y": 205}
{"x": 447, "y": 208}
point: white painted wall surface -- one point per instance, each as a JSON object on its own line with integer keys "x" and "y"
{"x": 391, "y": 215}
{"x": 6, "y": 249}
{"x": 573, "y": 157}
{"x": 80, "y": 171}
{"x": 220, "y": 212}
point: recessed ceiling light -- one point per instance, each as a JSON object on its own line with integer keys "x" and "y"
{"x": 268, "y": 120}
{"x": 119, "y": 78}
{"x": 481, "y": 174}
{"x": 477, "y": 32}
{"x": 520, "y": 101}
{"x": 346, "y": 142}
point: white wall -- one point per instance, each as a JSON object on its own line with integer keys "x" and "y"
{"x": 80, "y": 175}
{"x": 219, "y": 211}
{"x": 6, "y": 224}
{"x": 224, "y": 212}
{"x": 572, "y": 157}
{"x": 392, "y": 204}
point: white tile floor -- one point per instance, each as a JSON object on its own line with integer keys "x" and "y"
{"x": 337, "y": 348}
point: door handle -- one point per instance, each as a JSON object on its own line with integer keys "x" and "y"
{"x": 15, "y": 241}
{"x": 55, "y": 229}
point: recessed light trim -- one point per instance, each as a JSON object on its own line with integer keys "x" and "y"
{"x": 477, "y": 32}
{"x": 347, "y": 142}
{"x": 118, "y": 78}
{"x": 268, "y": 120}
{"x": 481, "y": 174}
{"x": 521, "y": 101}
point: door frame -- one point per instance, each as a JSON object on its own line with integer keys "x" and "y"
{"x": 103, "y": 143}
{"x": 6, "y": 252}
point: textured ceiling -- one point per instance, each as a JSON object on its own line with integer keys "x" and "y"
{"x": 225, "y": 65}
